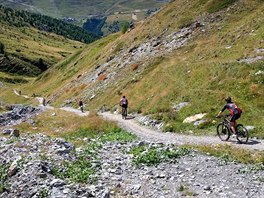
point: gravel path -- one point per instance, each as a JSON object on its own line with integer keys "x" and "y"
{"x": 152, "y": 135}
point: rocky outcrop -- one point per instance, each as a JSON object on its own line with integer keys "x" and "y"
{"x": 17, "y": 114}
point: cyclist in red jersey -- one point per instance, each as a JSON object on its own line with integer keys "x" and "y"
{"x": 235, "y": 112}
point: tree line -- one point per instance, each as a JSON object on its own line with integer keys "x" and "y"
{"x": 20, "y": 18}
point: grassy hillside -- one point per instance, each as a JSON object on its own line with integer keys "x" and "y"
{"x": 215, "y": 62}
{"x": 25, "y": 46}
{"x": 45, "y": 23}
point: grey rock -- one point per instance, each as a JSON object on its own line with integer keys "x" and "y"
{"x": 57, "y": 183}
{"x": 179, "y": 106}
{"x": 7, "y": 131}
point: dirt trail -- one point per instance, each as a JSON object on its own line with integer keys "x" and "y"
{"x": 172, "y": 138}
{"x": 48, "y": 107}
{"x": 153, "y": 135}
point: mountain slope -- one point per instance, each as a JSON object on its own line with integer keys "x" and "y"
{"x": 81, "y": 9}
{"x": 80, "y": 12}
{"x": 191, "y": 51}
{"x": 45, "y": 23}
{"x": 29, "y": 51}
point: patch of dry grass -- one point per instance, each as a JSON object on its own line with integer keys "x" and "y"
{"x": 240, "y": 155}
{"x": 67, "y": 125}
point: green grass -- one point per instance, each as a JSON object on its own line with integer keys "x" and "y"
{"x": 227, "y": 153}
{"x": 216, "y": 5}
{"x": 82, "y": 170}
{"x": 155, "y": 155}
{"x": 28, "y": 45}
{"x": 3, "y": 177}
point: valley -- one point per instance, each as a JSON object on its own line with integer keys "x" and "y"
{"x": 176, "y": 67}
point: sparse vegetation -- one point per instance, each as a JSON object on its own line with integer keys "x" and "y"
{"x": 124, "y": 26}
{"x": 227, "y": 153}
{"x": 155, "y": 155}
{"x": 216, "y": 5}
{"x": 82, "y": 170}
{"x": 3, "y": 177}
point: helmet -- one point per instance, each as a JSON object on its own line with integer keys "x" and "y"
{"x": 124, "y": 96}
{"x": 228, "y": 99}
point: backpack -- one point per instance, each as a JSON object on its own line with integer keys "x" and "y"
{"x": 239, "y": 110}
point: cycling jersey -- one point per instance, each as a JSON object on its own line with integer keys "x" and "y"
{"x": 232, "y": 108}
{"x": 123, "y": 101}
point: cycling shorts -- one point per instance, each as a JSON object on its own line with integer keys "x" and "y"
{"x": 235, "y": 117}
{"x": 124, "y": 105}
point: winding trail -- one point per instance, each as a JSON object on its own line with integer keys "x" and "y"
{"x": 48, "y": 107}
{"x": 172, "y": 138}
{"x": 149, "y": 134}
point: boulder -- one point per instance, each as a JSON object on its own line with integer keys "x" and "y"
{"x": 194, "y": 118}
{"x": 13, "y": 168}
{"x": 15, "y": 133}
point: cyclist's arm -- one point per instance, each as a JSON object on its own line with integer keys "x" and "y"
{"x": 220, "y": 112}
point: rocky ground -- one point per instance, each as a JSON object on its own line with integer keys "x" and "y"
{"x": 27, "y": 170}
{"x": 18, "y": 114}
{"x": 32, "y": 165}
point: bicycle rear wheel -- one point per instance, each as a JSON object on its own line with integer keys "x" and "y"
{"x": 223, "y": 132}
{"x": 242, "y": 134}
{"x": 123, "y": 113}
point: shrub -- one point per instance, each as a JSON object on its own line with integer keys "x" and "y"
{"x": 124, "y": 26}
{"x": 216, "y": 5}
{"x": 3, "y": 177}
{"x": 134, "y": 66}
{"x": 153, "y": 156}
{"x": 2, "y": 48}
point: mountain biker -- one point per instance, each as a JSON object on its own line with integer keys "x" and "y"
{"x": 235, "y": 112}
{"x": 123, "y": 103}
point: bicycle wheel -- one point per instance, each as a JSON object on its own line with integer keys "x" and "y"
{"x": 123, "y": 113}
{"x": 242, "y": 134}
{"x": 223, "y": 132}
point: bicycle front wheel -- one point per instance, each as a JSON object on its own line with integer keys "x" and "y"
{"x": 223, "y": 132}
{"x": 242, "y": 134}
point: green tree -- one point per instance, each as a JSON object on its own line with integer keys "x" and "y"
{"x": 41, "y": 65}
{"x": 2, "y": 48}
{"x": 124, "y": 26}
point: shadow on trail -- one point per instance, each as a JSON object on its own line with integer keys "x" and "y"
{"x": 130, "y": 117}
{"x": 253, "y": 142}
{"x": 250, "y": 142}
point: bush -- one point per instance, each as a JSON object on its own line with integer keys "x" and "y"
{"x": 2, "y": 48}
{"x": 217, "y": 5}
{"x": 124, "y": 27}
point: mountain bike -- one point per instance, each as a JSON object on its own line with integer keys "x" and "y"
{"x": 224, "y": 131}
{"x": 124, "y": 113}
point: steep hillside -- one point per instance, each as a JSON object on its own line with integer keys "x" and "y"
{"x": 29, "y": 51}
{"x": 195, "y": 52}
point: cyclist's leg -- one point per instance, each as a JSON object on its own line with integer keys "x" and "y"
{"x": 123, "y": 111}
{"x": 232, "y": 123}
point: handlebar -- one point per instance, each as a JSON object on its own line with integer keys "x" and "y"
{"x": 223, "y": 116}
